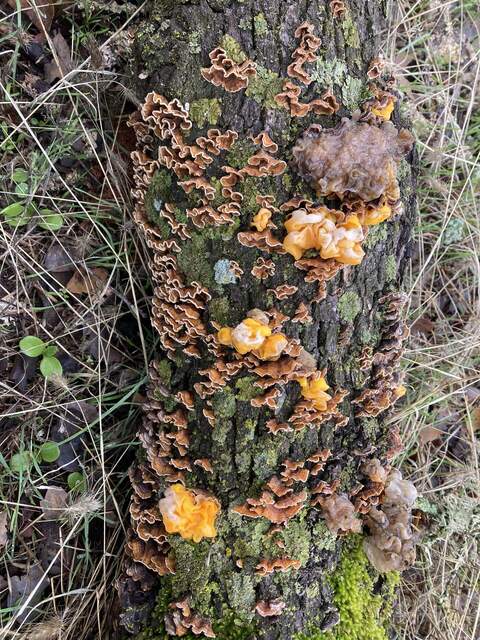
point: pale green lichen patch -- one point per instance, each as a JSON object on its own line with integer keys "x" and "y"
{"x": 246, "y": 389}
{"x": 329, "y": 72}
{"x": 376, "y": 233}
{"x": 205, "y": 111}
{"x": 264, "y": 87}
{"x": 224, "y": 404}
{"x": 223, "y": 272}
{"x": 352, "y": 93}
{"x": 194, "y": 42}
{"x": 233, "y": 49}
{"x": 350, "y": 31}
{"x": 390, "y": 268}
{"x": 349, "y": 306}
{"x": 260, "y": 25}
{"x": 241, "y": 595}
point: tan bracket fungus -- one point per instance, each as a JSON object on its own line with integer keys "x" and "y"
{"x": 226, "y": 73}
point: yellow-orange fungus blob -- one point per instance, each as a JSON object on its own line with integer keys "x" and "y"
{"x": 400, "y": 391}
{"x": 272, "y": 347}
{"x": 261, "y": 219}
{"x": 189, "y": 514}
{"x": 319, "y": 231}
{"x": 251, "y": 335}
{"x": 386, "y": 111}
{"x": 375, "y": 216}
{"x": 315, "y": 389}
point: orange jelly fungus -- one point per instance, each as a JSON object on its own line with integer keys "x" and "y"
{"x": 319, "y": 231}
{"x": 314, "y": 389}
{"x": 189, "y": 514}
{"x": 261, "y": 219}
{"x": 375, "y": 216}
{"x": 386, "y": 111}
{"x": 253, "y": 336}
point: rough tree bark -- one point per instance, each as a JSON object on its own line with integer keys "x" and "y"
{"x": 358, "y": 317}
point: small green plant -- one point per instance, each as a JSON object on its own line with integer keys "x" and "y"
{"x": 21, "y": 462}
{"x": 76, "y": 481}
{"x": 49, "y": 451}
{"x": 34, "y": 347}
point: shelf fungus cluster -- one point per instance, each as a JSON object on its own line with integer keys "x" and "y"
{"x": 229, "y": 230}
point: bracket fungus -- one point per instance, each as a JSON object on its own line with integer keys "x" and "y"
{"x": 226, "y": 73}
{"x": 192, "y": 514}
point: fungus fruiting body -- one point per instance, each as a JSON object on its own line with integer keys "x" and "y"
{"x": 190, "y": 514}
{"x": 254, "y": 335}
{"x": 314, "y": 389}
{"x": 355, "y": 159}
{"x": 391, "y": 544}
{"x": 319, "y": 230}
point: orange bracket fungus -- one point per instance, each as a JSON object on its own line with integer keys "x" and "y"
{"x": 189, "y": 513}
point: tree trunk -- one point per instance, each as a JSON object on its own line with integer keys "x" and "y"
{"x": 206, "y": 423}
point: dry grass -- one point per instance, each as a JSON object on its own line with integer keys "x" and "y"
{"x": 434, "y": 47}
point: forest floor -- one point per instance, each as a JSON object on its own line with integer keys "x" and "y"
{"x": 73, "y": 275}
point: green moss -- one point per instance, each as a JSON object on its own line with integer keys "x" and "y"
{"x": 390, "y": 268}
{"x": 260, "y": 25}
{"x": 224, "y": 404}
{"x": 193, "y": 260}
{"x": 246, "y": 388}
{"x": 264, "y": 87}
{"x": 363, "y": 614}
{"x": 231, "y": 628}
{"x": 233, "y": 49}
{"x": 219, "y": 310}
{"x": 376, "y": 233}
{"x": 349, "y": 306}
{"x": 164, "y": 370}
{"x": 350, "y": 32}
{"x": 205, "y": 111}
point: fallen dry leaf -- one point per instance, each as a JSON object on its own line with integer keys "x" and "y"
{"x": 27, "y": 587}
{"x": 423, "y": 325}
{"x": 62, "y": 63}
{"x": 54, "y": 503}
{"x": 429, "y": 434}
{"x": 91, "y": 281}
{"x": 3, "y": 529}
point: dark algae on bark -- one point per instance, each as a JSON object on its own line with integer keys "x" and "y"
{"x": 274, "y": 187}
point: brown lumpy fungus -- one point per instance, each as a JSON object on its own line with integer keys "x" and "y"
{"x": 391, "y": 544}
{"x": 354, "y": 159}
